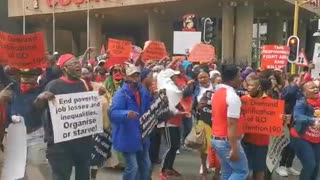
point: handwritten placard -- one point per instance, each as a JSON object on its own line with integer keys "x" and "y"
{"x": 274, "y": 56}
{"x": 153, "y": 50}
{"x": 262, "y": 116}
{"x": 22, "y": 51}
{"x": 76, "y": 115}
{"x": 202, "y": 53}
{"x": 119, "y": 48}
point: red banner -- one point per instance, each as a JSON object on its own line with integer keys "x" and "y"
{"x": 202, "y": 53}
{"x": 274, "y": 56}
{"x": 153, "y": 50}
{"x": 22, "y": 51}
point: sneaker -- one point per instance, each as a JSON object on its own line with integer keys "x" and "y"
{"x": 173, "y": 173}
{"x": 282, "y": 171}
{"x": 163, "y": 176}
{"x": 178, "y": 151}
{"x": 293, "y": 171}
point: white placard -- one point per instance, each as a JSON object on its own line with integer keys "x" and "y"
{"x": 315, "y": 73}
{"x": 276, "y": 146}
{"x": 15, "y": 152}
{"x": 183, "y": 40}
{"x": 76, "y": 115}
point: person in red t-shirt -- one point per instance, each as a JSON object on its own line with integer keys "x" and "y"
{"x": 256, "y": 145}
{"x": 305, "y": 133}
{"x": 226, "y": 134}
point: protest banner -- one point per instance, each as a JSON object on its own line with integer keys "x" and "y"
{"x": 14, "y": 164}
{"x": 22, "y": 51}
{"x": 158, "y": 111}
{"x": 119, "y": 52}
{"x": 315, "y": 72}
{"x": 102, "y": 144}
{"x": 119, "y": 48}
{"x": 274, "y": 56}
{"x": 153, "y": 50}
{"x": 262, "y": 116}
{"x": 202, "y": 53}
{"x": 277, "y": 144}
{"x": 76, "y": 115}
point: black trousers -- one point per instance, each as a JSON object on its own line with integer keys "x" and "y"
{"x": 287, "y": 156}
{"x": 63, "y": 156}
{"x": 155, "y": 145}
{"x": 174, "y": 144}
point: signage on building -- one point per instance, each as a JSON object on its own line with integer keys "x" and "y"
{"x": 69, "y": 2}
{"x": 189, "y": 22}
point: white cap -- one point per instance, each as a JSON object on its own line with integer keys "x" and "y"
{"x": 131, "y": 69}
{"x": 170, "y": 72}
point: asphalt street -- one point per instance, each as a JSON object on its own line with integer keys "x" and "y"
{"x": 187, "y": 163}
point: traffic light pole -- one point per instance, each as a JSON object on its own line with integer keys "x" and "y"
{"x": 297, "y": 5}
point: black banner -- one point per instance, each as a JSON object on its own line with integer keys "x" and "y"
{"x": 159, "y": 111}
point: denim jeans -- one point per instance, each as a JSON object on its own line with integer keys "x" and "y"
{"x": 309, "y": 156}
{"x": 231, "y": 170}
{"x": 138, "y": 165}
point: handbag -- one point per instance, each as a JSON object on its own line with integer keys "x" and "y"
{"x": 196, "y": 139}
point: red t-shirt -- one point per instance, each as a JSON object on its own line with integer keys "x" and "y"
{"x": 256, "y": 139}
{"x": 225, "y": 104}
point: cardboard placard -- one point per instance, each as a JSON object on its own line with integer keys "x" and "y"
{"x": 154, "y": 50}
{"x": 202, "y": 53}
{"x": 274, "y": 56}
{"x": 275, "y": 148}
{"x": 119, "y": 48}
{"x": 22, "y": 51}
{"x": 76, "y": 115}
{"x": 262, "y": 116}
{"x": 315, "y": 73}
{"x": 183, "y": 41}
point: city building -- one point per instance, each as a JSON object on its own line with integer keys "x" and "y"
{"x": 242, "y": 25}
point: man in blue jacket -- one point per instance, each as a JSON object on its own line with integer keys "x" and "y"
{"x": 129, "y": 103}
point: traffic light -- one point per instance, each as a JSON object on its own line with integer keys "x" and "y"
{"x": 207, "y": 30}
{"x": 293, "y": 44}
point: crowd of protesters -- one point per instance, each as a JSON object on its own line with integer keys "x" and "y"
{"x": 204, "y": 95}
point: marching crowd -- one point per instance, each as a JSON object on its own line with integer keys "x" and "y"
{"x": 205, "y": 109}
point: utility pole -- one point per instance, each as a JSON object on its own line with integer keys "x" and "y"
{"x": 297, "y": 5}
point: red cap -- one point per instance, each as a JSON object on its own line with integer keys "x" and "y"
{"x": 63, "y": 59}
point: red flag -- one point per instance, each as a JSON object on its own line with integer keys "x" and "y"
{"x": 103, "y": 50}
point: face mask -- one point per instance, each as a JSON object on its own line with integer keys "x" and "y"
{"x": 117, "y": 76}
{"x": 24, "y": 88}
{"x": 133, "y": 84}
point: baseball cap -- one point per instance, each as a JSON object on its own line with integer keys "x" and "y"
{"x": 170, "y": 72}
{"x": 131, "y": 69}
